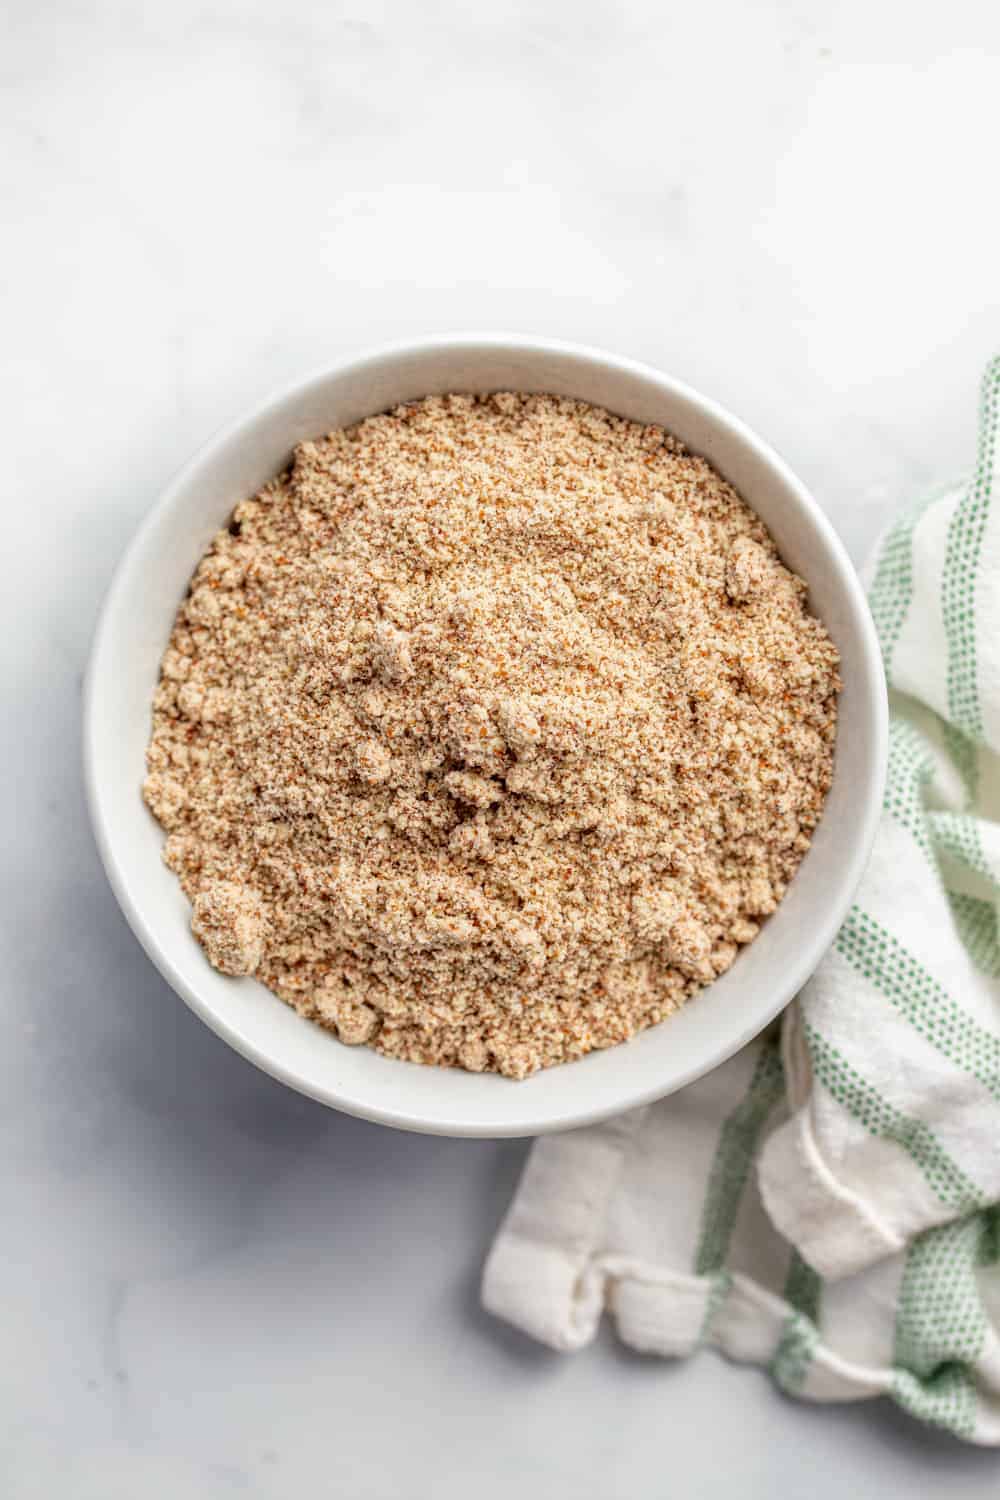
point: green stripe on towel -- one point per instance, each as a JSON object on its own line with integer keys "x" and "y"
{"x": 881, "y": 1118}
{"x": 734, "y": 1155}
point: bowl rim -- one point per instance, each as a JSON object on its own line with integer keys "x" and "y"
{"x": 870, "y": 796}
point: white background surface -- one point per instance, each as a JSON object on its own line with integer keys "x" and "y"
{"x": 211, "y": 1287}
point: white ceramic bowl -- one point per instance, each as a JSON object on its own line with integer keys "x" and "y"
{"x": 136, "y": 621}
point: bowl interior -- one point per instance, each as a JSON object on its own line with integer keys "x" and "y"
{"x": 136, "y": 622}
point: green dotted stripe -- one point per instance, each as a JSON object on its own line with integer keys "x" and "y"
{"x": 875, "y": 953}
{"x": 733, "y": 1158}
{"x": 794, "y": 1354}
{"x": 961, "y": 568}
{"x": 976, "y": 924}
{"x": 989, "y": 1240}
{"x": 803, "y": 1288}
{"x": 965, "y": 756}
{"x": 880, "y": 1118}
{"x": 910, "y": 769}
{"x": 891, "y": 591}
{"x": 941, "y": 1327}
{"x": 957, "y": 834}
{"x": 945, "y": 1399}
{"x": 720, "y": 1286}
{"x": 939, "y": 1311}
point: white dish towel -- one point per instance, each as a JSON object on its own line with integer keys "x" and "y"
{"x": 828, "y": 1205}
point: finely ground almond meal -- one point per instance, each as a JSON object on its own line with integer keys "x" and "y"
{"x": 489, "y": 731}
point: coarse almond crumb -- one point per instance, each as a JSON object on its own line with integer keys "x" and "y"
{"x": 489, "y": 731}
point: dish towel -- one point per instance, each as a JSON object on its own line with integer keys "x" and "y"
{"x": 827, "y": 1203}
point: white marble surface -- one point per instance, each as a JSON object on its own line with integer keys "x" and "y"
{"x": 210, "y": 1286}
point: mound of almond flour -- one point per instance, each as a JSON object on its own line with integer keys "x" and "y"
{"x": 489, "y": 731}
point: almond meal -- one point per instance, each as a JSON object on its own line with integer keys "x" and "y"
{"x": 489, "y": 731}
